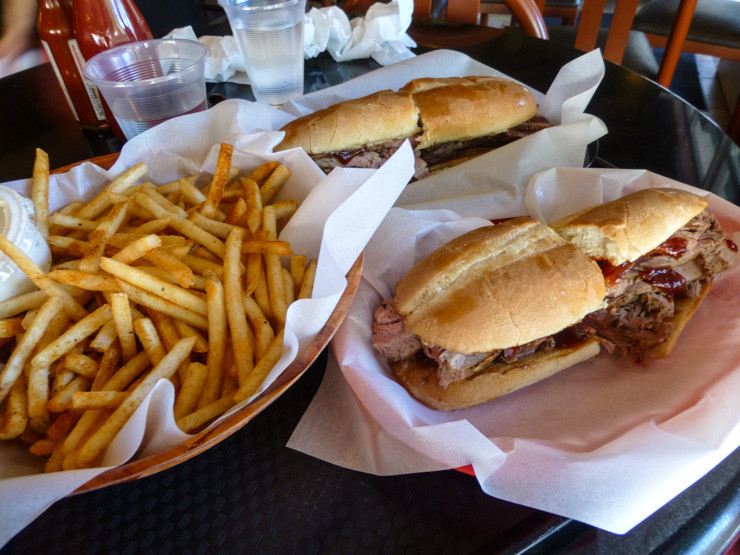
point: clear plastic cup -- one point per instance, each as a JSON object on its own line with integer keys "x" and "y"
{"x": 270, "y": 37}
{"x": 147, "y": 82}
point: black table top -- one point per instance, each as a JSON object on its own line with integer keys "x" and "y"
{"x": 252, "y": 493}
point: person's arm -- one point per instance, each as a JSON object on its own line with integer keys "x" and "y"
{"x": 18, "y": 26}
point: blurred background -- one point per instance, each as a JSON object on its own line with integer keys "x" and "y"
{"x": 709, "y": 83}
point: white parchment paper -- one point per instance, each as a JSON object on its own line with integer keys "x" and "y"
{"x": 606, "y": 442}
{"x": 337, "y": 216}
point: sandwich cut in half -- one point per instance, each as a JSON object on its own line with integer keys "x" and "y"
{"x": 660, "y": 251}
{"x": 488, "y": 313}
{"x": 448, "y": 120}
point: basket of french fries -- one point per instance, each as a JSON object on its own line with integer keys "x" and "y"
{"x": 185, "y": 282}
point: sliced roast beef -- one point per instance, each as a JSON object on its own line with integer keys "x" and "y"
{"x": 391, "y": 337}
{"x": 473, "y": 147}
{"x": 375, "y": 156}
{"x": 394, "y": 341}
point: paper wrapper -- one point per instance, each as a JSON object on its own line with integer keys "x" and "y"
{"x": 348, "y": 206}
{"x": 606, "y": 442}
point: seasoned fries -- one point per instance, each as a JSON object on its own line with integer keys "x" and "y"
{"x": 148, "y": 282}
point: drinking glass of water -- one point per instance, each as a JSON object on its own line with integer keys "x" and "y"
{"x": 270, "y": 37}
{"x": 147, "y": 82}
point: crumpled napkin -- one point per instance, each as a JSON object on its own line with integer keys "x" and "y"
{"x": 380, "y": 35}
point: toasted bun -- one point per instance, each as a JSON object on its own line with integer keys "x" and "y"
{"x": 370, "y": 120}
{"x": 683, "y": 311}
{"x": 499, "y": 286}
{"x": 458, "y": 109}
{"x": 419, "y": 376}
{"x": 624, "y": 229}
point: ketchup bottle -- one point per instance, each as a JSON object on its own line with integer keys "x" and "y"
{"x": 57, "y": 37}
{"x": 103, "y": 24}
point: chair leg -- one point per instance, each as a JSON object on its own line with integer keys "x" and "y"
{"x": 734, "y": 130}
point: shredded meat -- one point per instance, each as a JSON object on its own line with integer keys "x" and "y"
{"x": 639, "y": 309}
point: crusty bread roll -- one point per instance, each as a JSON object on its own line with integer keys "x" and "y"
{"x": 419, "y": 376}
{"x": 499, "y": 286}
{"x": 459, "y": 109}
{"x": 373, "y": 119}
{"x": 626, "y": 228}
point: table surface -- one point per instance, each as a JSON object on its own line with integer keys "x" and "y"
{"x": 251, "y": 493}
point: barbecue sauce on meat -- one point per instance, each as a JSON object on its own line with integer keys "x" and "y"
{"x": 666, "y": 279}
{"x": 612, "y": 274}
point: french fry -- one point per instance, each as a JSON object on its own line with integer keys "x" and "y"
{"x": 63, "y": 423}
{"x": 85, "y": 280}
{"x": 308, "y": 280}
{"x": 79, "y": 331}
{"x": 183, "y": 225}
{"x": 42, "y": 447}
{"x": 217, "y": 339}
{"x": 105, "y": 337}
{"x": 253, "y": 200}
{"x": 204, "y": 414}
{"x": 154, "y": 285}
{"x": 274, "y": 268}
{"x": 15, "y": 418}
{"x": 218, "y": 183}
{"x": 121, "y": 312}
{"x": 254, "y": 271}
{"x": 186, "y": 330}
{"x": 192, "y": 385}
{"x": 190, "y": 191}
{"x": 272, "y": 184}
{"x": 25, "y": 347}
{"x": 174, "y": 267}
{"x": 237, "y": 318}
{"x": 263, "y": 332}
{"x": 163, "y": 305}
{"x": 40, "y": 191}
{"x": 99, "y": 441}
{"x": 237, "y": 214}
{"x": 264, "y": 246}
{"x": 285, "y": 208}
{"x": 81, "y": 364}
{"x": 37, "y": 397}
{"x": 297, "y": 270}
{"x": 137, "y": 249}
{"x": 288, "y": 287}
{"x": 125, "y": 180}
{"x": 99, "y": 238}
{"x": 263, "y": 171}
{"x": 261, "y": 369}
{"x": 149, "y": 339}
{"x": 62, "y": 400}
{"x": 21, "y": 303}
{"x": 97, "y": 400}
{"x": 10, "y": 327}
{"x": 72, "y": 223}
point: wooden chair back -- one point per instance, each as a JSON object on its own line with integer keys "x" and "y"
{"x": 527, "y": 13}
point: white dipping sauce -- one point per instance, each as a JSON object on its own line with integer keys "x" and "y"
{"x": 18, "y": 225}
